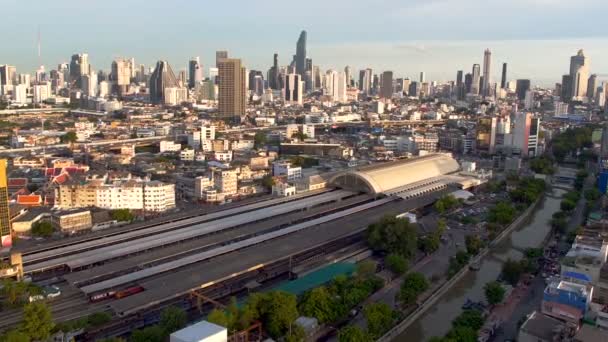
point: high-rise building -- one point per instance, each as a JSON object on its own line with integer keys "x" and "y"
{"x": 591, "y": 87}
{"x": 487, "y": 64}
{"x": 273, "y": 73}
{"x": 566, "y": 91}
{"x": 161, "y": 78}
{"x": 293, "y": 91}
{"x": 121, "y": 75}
{"x": 335, "y": 85}
{"x": 301, "y": 54}
{"x": 460, "y": 90}
{"x": 365, "y": 81}
{"x": 195, "y": 72}
{"x": 386, "y": 89}
{"x": 79, "y": 65}
{"x": 521, "y": 88}
{"x": 232, "y": 89}
{"x": 422, "y": 77}
{"x": 525, "y": 134}
{"x": 503, "y": 79}
{"x": 468, "y": 83}
{"x": 219, "y": 55}
{"x": 89, "y": 84}
{"x": 348, "y": 72}
{"x": 579, "y": 73}
{"x": 5, "y": 223}
{"x": 252, "y": 82}
{"x": 486, "y": 135}
{"x": 8, "y": 75}
{"x": 476, "y": 80}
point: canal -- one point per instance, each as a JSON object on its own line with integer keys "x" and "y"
{"x": 437, "y": 320}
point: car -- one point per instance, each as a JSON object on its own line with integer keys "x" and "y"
{"x": 35, "y": 298}
{"x": 52, "y": 291}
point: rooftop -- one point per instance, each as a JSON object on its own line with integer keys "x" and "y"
{"x": 541, "y": 326}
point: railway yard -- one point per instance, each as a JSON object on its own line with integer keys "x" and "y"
{"x": 135, "y": 272}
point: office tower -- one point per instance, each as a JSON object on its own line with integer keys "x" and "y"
{"x": 459, "y": 85}
{"x": 8, "y": 75}
{"x": 161, "y": 78}
{"x": 273, "y": 73}
{"x": 525, "y": 134}
{"x": 414, "y": 89}
{"x": 232, "y": 89}
{"x": 349, "y": 76}
{"x": 195, "y": 72}
{"x": 521, "y": 88}
{"x": 41, "y": 92}
{"x": 422, "y": 77}
{"x": 579, "y": 73}
{"x": 121, "y": 75}
{"x": 309, "y": 81}
{"x": 591, "y": 87}
{"x": 487, "y": 63}
{"x": 316, "y": 76}
{"x": 89, "y": 84}
{"x": 468, "y": 83}
{"x": 476, "y": 80}
{"x": 335, "y": 85}
{"x": 365, "y": 81}
{"x": 386, "y": 90}
{"x": 132, "y": 68}
{"x": 529, "y": 100}
{"x": 406, "y": 86}
{"x": 375, "y": 85}
{"x": 182, "y": 79}
{"x": 251, "y": 81}
{"x": 219, "y": 55}
{"x": 5, "y": 224}
{"x": 566, "y": 91}
{"x": 79, "y": 65}
{"x": 293, "y": 91}
{"x": 485, "y": 132}
{"x": 503, "y": 79}
{"x": 301, "y": 54}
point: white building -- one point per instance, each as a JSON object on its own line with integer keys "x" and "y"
{"x": 175, "y": 95}
{"x": 20, "y": 93}
{"x": 200, "y": 332}
{"x": 293, "y": 90}
{"x": 169, "y": 146}
{"x": 226, "y": 181}
{"x": 159, "y": 196}
{"x": 309, "y": 131}
{"x": 280, "y": 168}
{"x": 187, "y": 155}
{"x": 42, "y": 92}
{"x": 223, "y": 156}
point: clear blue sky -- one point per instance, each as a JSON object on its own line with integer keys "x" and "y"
{"x": 536, "y": 37}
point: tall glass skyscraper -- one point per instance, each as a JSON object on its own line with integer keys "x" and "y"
{"x": 301, "y": 54}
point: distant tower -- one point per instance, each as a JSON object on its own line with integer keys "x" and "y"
{"x": 579, "y": 73}
{"x": 162, "y": 78}
{"x": 386, "y": 88}
{"x": 293, "y": 91}
{"x": 232, "y": 89}
{"x": 301, "y": 54}
{"x": 422, "y": 77}
{"x": 195, "y": 72}
{"x": 5, "y": 224}
{"x": 219, "y": 55}
{"x": 503, "y": 79}
{"x": 476, "y": 79}
{"x": 487, "y": 63}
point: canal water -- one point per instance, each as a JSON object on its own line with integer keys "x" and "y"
{"x": 437, "y": 320}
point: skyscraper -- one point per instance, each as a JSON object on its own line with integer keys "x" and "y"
{"x": 195, "y": 72}
{"x": 460, "y": 91}
{"x": 487, "y": 63}
{"x": 308, "y": 78}
{"x": 121, "y": 75}
{"x": 579, "y": 73}
{"x": 591, "y": 87}
{"x": 566, "y": 91}
{"x": 219, "y": 55}
{"x": 8, "y": 75}
{"x": 301, "y": 54}
{"x": 521, "y": 88}
{"x": 348, "y": 72}
{"x": 5, "y": 224}
{"x": 232, "y": 89}
{"x": 293, "y": 91}
{"x": 386, "y": 89}
{"x": 468, "y": 83}
{"x": 476, "y": 79}
{"x": 79, "y": 65}
{"x": 503, "y": 79}
{"x": 365, "y": 81}
{"x": 273, "y": 73}
{"x": 162, "y": 78}
{"x": 422, "y": 77}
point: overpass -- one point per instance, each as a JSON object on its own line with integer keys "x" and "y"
{"x": 83, "y": 145}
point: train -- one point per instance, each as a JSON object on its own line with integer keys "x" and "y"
{"x": 116, "y": 294}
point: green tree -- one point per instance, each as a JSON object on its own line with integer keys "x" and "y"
{"x": 380, "y": 318}
{"x": 122, "y": 215}
{"x": 462, "y": 334}
{"x": 318, "y": 303}
{"x": 430, "y": 243}
{"x": 396, "y": 263}
{"x": 592, "y": 194}
{"x": 296, "y": 334}
{"x": 15, "y": 336}
{"x": 268, "y": 182}
{"x": 511, "y": 271}
{"x": 366, "y": 269}
{"x": 446, "y": 203}
{"x": 12, "y": 290}
{"x": 502, "y": 213}
{"x": 99, "y": 318}
{"x": 278, "y": 311}
{"x": 393, "y": 235}
{"x": 69, "y": 137}
{"x": 352, "y": 333}
{"x": 219, "y": 317}
{"x": 474, "y": 244}
{"x": 150, "y": 334}
{"x": 469, "y": 318}
{"x": 172, "y": 319}
{"x": 413, "y": 285}
{"x": 37, "y": 321}
{"x": 494, "y": 292}
{"x": 259, "y": 140}
{"x": 567, "y": 205}
{"x": 42, "y": 228}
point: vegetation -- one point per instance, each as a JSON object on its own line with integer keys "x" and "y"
{"x": 474, "y": 244}
{"x": 570, "y": 141}
{"x": 37, "y": 321}
{"x": 542, "y": 165}
{"x": 502, "y": 212}
{"x": 122, "y": 215}
{"x": 299, "y": 135}
{"x": 380, "y": 318}
{"x": 304, "y": 162}
{"x": 396, "y": 263}
{"x": 512, "y": 271}
{"x": 42, "y": 229}
{"x": 457, "y": 262}
{"x": 464, "y": 328}
{"x": 171, "y": 320}
{"x": 494, "y": 292}
{"x": 528, "y": 190}
{"x": 259, "y": 140}
{"x": 592, "y": 194}
{"x": 354, "y": 334}
{"x": 446, "y": 203}
{"x": 268, "y": 182}
{"x": 393, "y": 235}
{"x": 413, "y": 285}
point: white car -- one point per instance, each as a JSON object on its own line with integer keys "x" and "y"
{"x": 35, "y": 298}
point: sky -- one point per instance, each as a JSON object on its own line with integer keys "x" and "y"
{"x": 535, "y": 37}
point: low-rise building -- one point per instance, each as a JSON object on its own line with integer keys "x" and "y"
{"x": 567, "y": 301}
{"x": 284, "y": 168}
{"x": 540, "y": 328}
{"x": 72, "y": 221}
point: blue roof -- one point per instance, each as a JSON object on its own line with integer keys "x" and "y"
{"x": 576, "y": 275}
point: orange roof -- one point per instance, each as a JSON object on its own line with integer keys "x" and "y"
{"x": 17, "y": 182}
{"x": 29, "y": 199}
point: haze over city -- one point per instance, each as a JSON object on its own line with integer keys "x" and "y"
{"x": 536, "y": 37}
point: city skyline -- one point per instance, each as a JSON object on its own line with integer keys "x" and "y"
{"x": 540, "y": 53}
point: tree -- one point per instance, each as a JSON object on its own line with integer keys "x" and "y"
{"x": 474, "y": 244}
{"x": 318, "y": 303}
{"x": 511, "y": 271}
{"x": 278, "y": 310}
{"x": 462, "y": 334}
{"x": 13, "y": 290}
{"x": 502, "y": 213}
{"x": 42, "y": 229}
{"x": 15, "y": 336}
{"x": 99, "y": 318}
{"x": 172, "y": 319}
{"x": 396, "y": 263}
{"x": 152, "y": 333}
{"x": 219, "y": 317}
{"x": 296, "y": 334}
{"x": 69, "y": 137}
{"x": 37, "y": 321}
{"x": 299, "y": 136}
{"x": 469, "y": 318}
{"x": 122, "y": 215}
{"x": 430, "y": 243}
{"x": 268, "y": 182}
{"x": 259, "y": 140}
{"x": 366, "y": 269}
{"x": 380, "y": 318}
{"x": 495, "y": 293}
{"x": 567, "y": 205}
{"x": 393, "y": 235}
{"x": 592, "y": 194}
{"x": 352, "y": 333}
{"x": 446, "y": 203}
{"x": 413, "y": 285}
